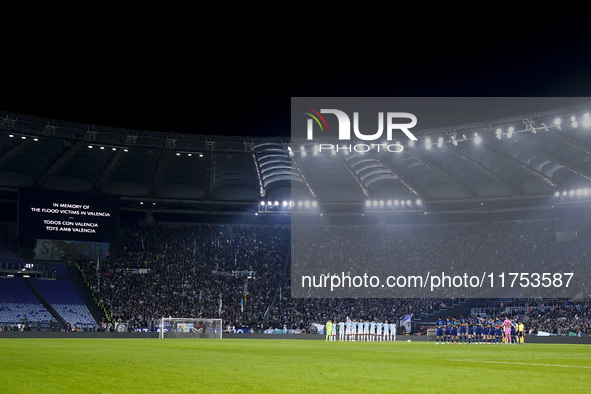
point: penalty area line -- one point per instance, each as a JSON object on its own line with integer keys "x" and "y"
{"x": 514, "y": 363}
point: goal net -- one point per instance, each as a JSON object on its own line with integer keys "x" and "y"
{"x": 178, "y": 327}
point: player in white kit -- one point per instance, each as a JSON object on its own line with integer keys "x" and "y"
{"x": 392, "y": 332}
{"x": 365, "y": 330}
{"x": 341, "y": 331}
{"x": 386, "y": 332}
{"x": 360, "y": 329}
{"x": 379, "y": 326}
{"x": 349, "y": 328}
{"x": 371, "y": 332}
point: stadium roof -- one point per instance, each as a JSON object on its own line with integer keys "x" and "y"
{"x": 463, "y": 167}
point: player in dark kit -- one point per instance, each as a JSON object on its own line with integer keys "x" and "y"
{"x": 470, "y": 329}
{"x": 454, "y": 330}
{"x": 486, "y": 330}
{"x": 447, "y": 329}
{"x": 499, "y": 330}
{"x": 440, "y": 326}
{"x": 495, "y": 330}
{"x": 479, "y": 329}
{"x": 492, "y": 330}
{"x": 463, "y": 329}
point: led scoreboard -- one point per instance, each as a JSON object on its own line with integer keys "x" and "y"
{"x": 46, "y": 214}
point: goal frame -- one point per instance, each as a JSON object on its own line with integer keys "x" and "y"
{"x": 196, "y": 327}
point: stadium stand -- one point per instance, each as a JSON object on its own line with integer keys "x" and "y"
{"x": 17, "y": 303}
{"x": 190, "y": 245}
{"x": 556, "y": 316}
{"x": 186, "y": 270}
{"x": 65, "y": 299}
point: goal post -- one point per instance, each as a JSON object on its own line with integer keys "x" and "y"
{"x": 187, "y": 327}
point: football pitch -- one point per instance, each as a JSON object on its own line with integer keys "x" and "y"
{"x": 275, "y": 366}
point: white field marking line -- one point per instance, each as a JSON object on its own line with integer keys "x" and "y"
{"x": 514, "y": 363}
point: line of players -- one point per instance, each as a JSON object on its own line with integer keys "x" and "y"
{"x": 479, "y": 330}
{"x": 360, "y": 330}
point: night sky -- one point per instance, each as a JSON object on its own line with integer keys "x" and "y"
{"x": 245, "y": 90}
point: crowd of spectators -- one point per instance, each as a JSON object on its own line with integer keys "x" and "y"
{"x": 243, "y": 273}
{"x": 565, "y": 310}
{"x": 554, "y": 316}
{"x": 210, "y": 271}
{"x": 453, "y": 248}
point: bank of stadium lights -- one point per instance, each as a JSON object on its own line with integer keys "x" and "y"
{"x": 114, "y": 148}
{"x": 477, "y": 138}
{"x": 107, "y": 147}
{"x": 454, "y": 139}
{"x": 507, "y": 131}
{"x": 573, "y": 122}
{"x": 189, "y": 154}
{"x": 287, "y": 206}
{"x": 393, "y": 205}
{"x": 504, "y": 131}
{"x": 510, "y": 131}
{"x": 572, "y": 196}
{"x": 23, "y": 136}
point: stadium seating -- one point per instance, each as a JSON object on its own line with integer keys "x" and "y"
{"x": 65, "y": 299}
{"x": 17, "y": 302}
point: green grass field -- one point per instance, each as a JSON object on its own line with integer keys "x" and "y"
{"x": 275, "y": 366}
